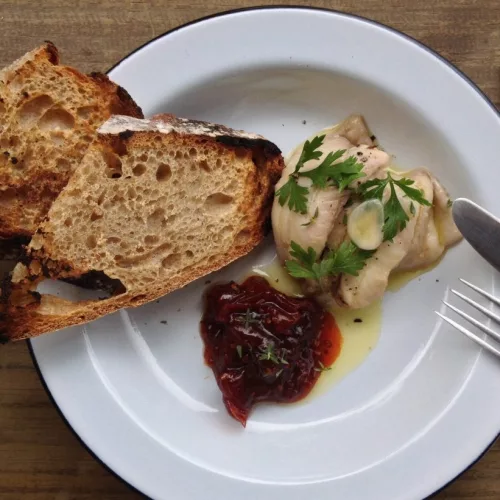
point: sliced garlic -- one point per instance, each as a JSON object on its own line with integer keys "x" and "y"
{"x": 365, "y": 224}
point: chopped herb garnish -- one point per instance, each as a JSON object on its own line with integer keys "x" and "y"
{"x": 239, "y": 350}
{"x": 249, "y": 317}
{"x": 313, "y": 218}
{"x": 269, "y": 354}
{"x": 394, "y": 213}
{"x": 322, "y": 367}
{"x": 347, "y": 259}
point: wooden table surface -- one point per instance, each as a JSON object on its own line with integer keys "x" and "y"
{"x": 40, "y": 458}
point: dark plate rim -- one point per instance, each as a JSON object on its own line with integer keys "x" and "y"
{"x": 248, "y": 9}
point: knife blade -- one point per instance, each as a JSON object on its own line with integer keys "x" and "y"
{"x": 480, "y": 228}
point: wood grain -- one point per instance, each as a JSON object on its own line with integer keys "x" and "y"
{"x": 40, "y": 458}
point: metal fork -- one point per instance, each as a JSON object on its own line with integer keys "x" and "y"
{"x": 475, "y": 322}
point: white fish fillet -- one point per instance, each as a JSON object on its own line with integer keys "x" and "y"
{"x": 371, "y": 282}
{"x": 291, "y": 226}
{"x": 428, "y": 233}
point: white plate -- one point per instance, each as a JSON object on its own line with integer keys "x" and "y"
{"x": 423, "y": 405}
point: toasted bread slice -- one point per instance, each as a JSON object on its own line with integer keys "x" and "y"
{"x": 48, "y": 116}
{"x": 154, "y": 205}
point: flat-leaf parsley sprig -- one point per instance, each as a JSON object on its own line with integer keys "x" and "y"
{"x": 329, "y": 171}
{"x": 395, "y": 216}
{"x": 346, "y": 259}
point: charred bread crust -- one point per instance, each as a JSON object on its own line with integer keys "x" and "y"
{"x": 123, "y": 102}
{"x": 13, "y": 248}
{"x": 98, "y": 280}
{"x": 269, "y": 149}
{"x": 200, "y": 132}
{"x": 52, "y": 52}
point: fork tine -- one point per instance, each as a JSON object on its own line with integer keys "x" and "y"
{"x": 469, "y": 334}
{"x": 493, "y": 299}
{"x": 479, "y": 307}
{"x": 474, "y": 321}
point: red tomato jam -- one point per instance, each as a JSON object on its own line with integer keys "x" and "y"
{"x": 265, "y": 346}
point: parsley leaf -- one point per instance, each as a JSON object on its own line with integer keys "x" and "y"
{"x": 341, "y": 173}
{"x": 373, "y": 188}
{"x": 320, "y": 174}
{"x": 298, "y": 270}
{"x": 307, "y": 257}
{"x": 347, "y": 259}
{"x": 412, "y": 193}
{"x": 395, "y": 215}
{"x": 310, "y": 151}
{"x": 303, "y": 265}
{"x": 291, "y": 191}
{"x": 295, "y": 195}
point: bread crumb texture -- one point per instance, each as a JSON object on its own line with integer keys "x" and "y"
{"x": 151, "y": 211}
{"x": 49, "y": 114}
